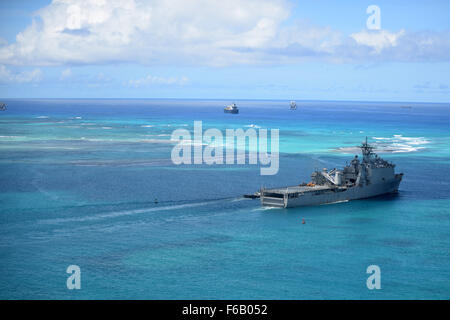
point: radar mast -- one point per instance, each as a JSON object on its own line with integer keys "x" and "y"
{"x": 366, "y": 150}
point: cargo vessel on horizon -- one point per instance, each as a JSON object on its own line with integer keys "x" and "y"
{"x": 232, "y": 108}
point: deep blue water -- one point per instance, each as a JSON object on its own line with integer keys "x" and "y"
{"x": 78, "y": 180}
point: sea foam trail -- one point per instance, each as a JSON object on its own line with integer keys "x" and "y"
{"x": 266, "y": 208}
{"x": 116, "y": 214}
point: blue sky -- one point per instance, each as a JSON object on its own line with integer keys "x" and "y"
{"x": 253, "y": 49}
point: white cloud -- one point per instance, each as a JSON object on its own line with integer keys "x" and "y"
{"x": 152, "y": 80}
{"x": 8, "y": 76}
{"x": 90, "y": 79}
{"x": 201, "y": 32}
{"x": 377, "y": 40}
{"x": 303, "y": 41}
{"x": 197, "y": 31}
{"x": 66, "y": 73}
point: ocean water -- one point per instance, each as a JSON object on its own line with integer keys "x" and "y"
{"x": 79, "y": 179}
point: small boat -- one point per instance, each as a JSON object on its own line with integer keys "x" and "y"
{"x": 293, "y": 105}
{"x": 2, "y": 106}
{"x": 232, "y": 108}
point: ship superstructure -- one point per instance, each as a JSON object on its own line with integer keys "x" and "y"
{"x": 232, "y": 108}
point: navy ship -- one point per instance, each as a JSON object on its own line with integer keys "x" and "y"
{"x": 370, "y": 177}
{"x": 293, "y": 105}
{"x": 232, "y": 108}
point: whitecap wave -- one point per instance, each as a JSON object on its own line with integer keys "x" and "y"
{"x": 340, "y": 201}
{"x": 266, "y": 208}
{"x": 165, "y": 141}
{"x": 395, "y": 144}
{"x": 155, "y": 135}
{"x": 188, "y": 142}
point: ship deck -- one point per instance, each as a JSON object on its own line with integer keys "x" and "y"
{"x": 281, "y": 197}
{"x": 296, "y": 189}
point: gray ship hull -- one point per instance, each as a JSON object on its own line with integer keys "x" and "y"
{"x": 233, "y": 111}
{"x": 310, "y": 196}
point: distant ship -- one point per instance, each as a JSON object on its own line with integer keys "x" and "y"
{"x": 371, "y": 177}
{"x": 232, "y": 108}
{"x": 2, "y": 106}
{"x": 293, "y": 105}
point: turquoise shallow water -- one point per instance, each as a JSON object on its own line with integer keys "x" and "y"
{"x": 79, "y": 179}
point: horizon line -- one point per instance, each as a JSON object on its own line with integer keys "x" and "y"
{"x": 231, "y": 99}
